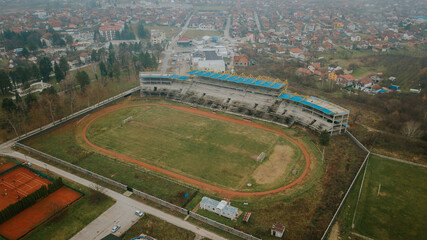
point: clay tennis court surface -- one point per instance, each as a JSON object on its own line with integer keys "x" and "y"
{"x": 17, "y": 184}
{"x": 224, "y": 192}
{"x": 27, "y": 220}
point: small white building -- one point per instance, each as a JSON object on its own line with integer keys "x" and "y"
{"x": 277, "y": 230}
{"x": 221, "y": 208}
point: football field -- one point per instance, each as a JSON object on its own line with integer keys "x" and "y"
{"x": 211, "y": 150}
{"x": 392, "y": 203}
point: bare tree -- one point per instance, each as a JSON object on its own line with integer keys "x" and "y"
{"x": 412, "y": 129}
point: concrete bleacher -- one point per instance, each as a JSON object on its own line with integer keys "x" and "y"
{"x": 248, "y": 93}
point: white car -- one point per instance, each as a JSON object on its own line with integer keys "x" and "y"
{"x": 139, "y": 213}
{"x": 115, "y": 228}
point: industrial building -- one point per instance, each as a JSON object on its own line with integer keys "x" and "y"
{"x": 253, "y": 96}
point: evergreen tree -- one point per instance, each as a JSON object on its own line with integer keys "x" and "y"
{"x": 59, "y": 75}
{"x": 4, "y": 82}
{"x": 324, "y": 138}
{"x": 45, "y": 67}
{"x": 63, "y": 65}
{"x": 103, "y": 69}
{"x": 83, "y": 79}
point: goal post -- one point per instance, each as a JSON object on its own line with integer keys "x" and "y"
{"x": 260, "y": 157}
{"x": 128, "y": 119}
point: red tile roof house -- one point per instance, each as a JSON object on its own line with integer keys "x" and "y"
{"x": 345, "y": 80}
{"x": 241, "y": 60}
{"x": 363, "y": 83}
{"x": 297, "y": 53}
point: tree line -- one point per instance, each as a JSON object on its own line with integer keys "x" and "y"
{"x": 111, "y": 71}
{"x": 29, "y": 200}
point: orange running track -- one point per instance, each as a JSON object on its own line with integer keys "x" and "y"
{"x": 223, "y": 192}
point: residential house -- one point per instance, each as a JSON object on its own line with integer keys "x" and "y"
{"x": 297, "y": 53}
{"x": 345, "y": 80}
{"x": 241, "y": 60}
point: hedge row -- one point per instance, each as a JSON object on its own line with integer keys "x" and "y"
{"x": 29, "y": 200}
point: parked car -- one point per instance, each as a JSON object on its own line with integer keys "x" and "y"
{"x": 139, "y": 213}
{"x": 115, "y": 228}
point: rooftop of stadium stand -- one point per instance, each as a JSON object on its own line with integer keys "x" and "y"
{"x": 238, "y": 79}
{"x": 316, "y": 103}
{"x": 162, "y": 75}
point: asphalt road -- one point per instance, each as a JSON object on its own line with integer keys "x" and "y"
{"x": 171, "y": 46}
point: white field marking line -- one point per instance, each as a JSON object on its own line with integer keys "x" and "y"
{"x": 9, "y": 185}
{"x": 360, "y": 193}
{"x": 361, "y": 236}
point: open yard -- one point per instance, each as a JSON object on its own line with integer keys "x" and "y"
{"x": 193, "y": 33}
{"x": 392, "y": 203}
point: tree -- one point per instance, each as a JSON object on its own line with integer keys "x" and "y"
{"x": 25, "y": 53}
{"x": 30, "y": 100}
{"x": 8, "y": 105}
{"x": 94, "y": 56}
{"x": 4, "y": 82}
{"x": 59, "y": 75}
{"x": 35, "y": 72}
{"x": 103, "y": 69}
{"x": 63, "y": 65}
{"x": 324, "y": 138}
{"x": 69, "y": 39}
{"x": 45, "y": 67}
{"x": 142, "y": 32}
{"x": 83, "y": 79}
{"x": 412, "y": 129}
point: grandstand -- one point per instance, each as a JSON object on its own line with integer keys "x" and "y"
{"x": 268, "y": 98}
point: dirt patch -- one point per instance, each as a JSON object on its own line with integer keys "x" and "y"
{"x": 335, "y": 232}
{"x": 277, "y": 164}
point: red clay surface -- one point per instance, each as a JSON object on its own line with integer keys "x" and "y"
{"x": 223, "y": 192}
{"x": 28, "y": 219}
{"x": 18, "y": 183}
{"x": 6, "y": 166}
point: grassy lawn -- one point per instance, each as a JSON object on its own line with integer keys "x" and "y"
{"x": 204, "y": 148}
{"x": 157, "y": 228}
{"x": 170, "y": 31}
{"x": 193, "y": 33}
{"x": 395, "y": 211}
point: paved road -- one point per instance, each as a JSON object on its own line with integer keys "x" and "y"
{"x": 229, "y": 39}
{"x": 257, "y": 22}
{"x": 119, "y": 213}
{"x": 127, "y": 204}
{"x": 171, "y": 46}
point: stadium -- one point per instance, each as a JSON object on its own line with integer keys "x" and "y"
{"x": 268, "y": 99}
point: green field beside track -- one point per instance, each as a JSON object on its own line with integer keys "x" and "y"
{"x": 396, "y": 210}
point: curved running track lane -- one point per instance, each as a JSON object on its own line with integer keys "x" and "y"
{"x": 223, "y": 192}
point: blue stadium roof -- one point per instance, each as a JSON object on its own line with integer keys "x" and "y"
{"x": 244, "y": 80}
{"x": 159, "y": 75}
{"x": 316, "y": 103}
